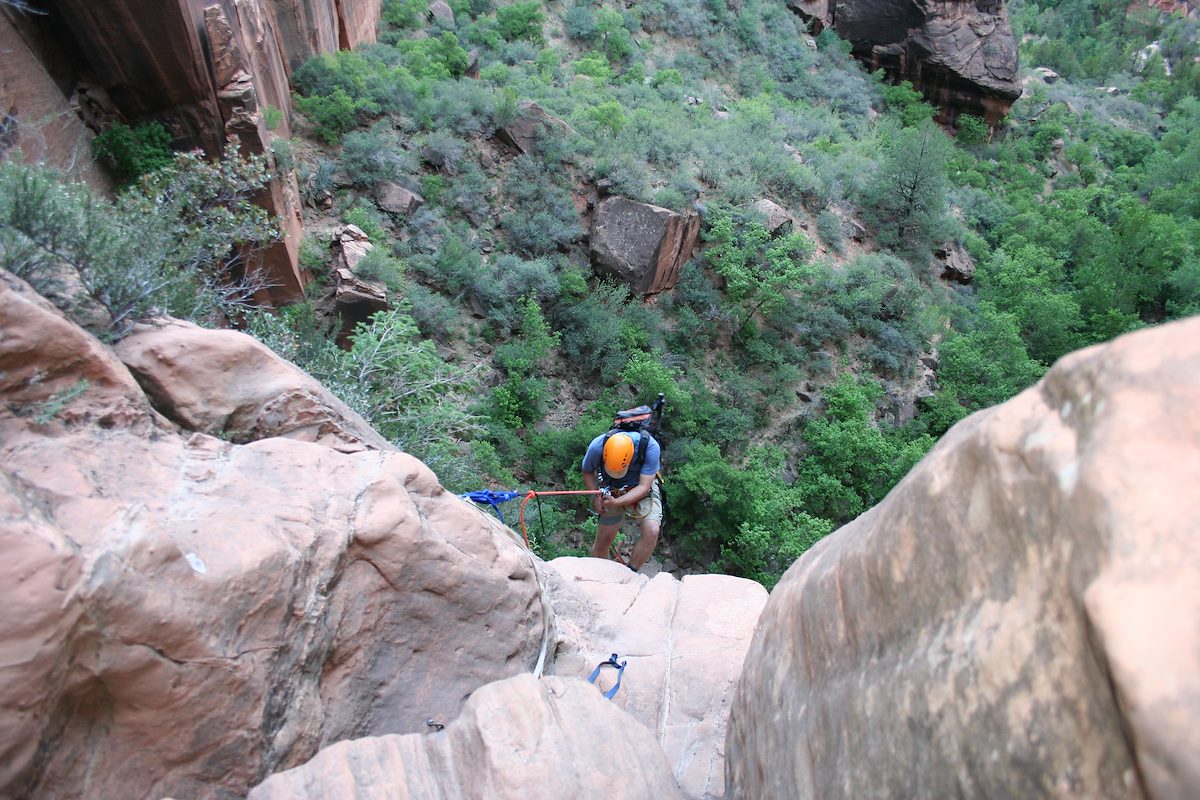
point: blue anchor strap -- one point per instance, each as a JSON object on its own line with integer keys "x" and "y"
{"x": 618, "y": 666}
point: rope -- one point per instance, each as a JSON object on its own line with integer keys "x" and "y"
{"x": 532, "y": 494}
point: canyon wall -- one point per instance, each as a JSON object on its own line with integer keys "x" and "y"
{"x": 205, "y": 69}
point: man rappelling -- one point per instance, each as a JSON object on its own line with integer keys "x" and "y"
{"x": 623, "y": 465}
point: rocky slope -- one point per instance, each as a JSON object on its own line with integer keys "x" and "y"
{"x": 1017, "y": 619}
{"x": 187, "y": 614}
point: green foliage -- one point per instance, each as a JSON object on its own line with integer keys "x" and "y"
{"x": 757, "y": 269}
{"x": 374, "y": 157}
{"x": 272, "y": 117}
{"x": 971, "y": 130}
{"x": 333, "y": 114}
{"x": 133, "y": 152}
{"x": 521, "y": 400}
{"x": 405, "y": 14}
{"x": 851, "y": 462}
{"x": 986, "y": 364}
{"x": 908, "y": 104}
{"x": 521, "y": 21}
{"x": 906, "y": 198}
{"x": 368, "y": 221}
{"x": 593, "y": 65}
{"x": 543, "y": 217}
{"x": 435, "y": 57}
{"x": 377, "y": 265}
{"x": 170, "y": 244}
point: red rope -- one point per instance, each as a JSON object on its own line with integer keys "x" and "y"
{"x": 533, "y": 494}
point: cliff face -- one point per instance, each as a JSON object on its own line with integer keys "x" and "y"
{"x": 205, "y": 69}
{"x": 961, "y": 54}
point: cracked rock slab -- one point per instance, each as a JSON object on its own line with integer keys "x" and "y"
{"x": 684, "y": 642}
{"x": 517, "y": 739}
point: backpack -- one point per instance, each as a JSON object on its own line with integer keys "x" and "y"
{"x": 642, "y": 420}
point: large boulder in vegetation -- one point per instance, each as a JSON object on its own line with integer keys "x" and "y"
{"x": 518, "y": 739}
{"x": 684, "y": 642}
{"x": 532, "y": 123}
{"x": 1016, "y": 619}
{"x": 642, "y": 245}
{"x": 228, "y": 384}
{"x": 187, "y": 615}
{"x": 961, "y": 55}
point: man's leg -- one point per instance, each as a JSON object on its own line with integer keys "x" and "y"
{"x": 605, "y": 534}
{"x": 645, "y": 545}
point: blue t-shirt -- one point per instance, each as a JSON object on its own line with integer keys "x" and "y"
{"x": 593, "y": 461}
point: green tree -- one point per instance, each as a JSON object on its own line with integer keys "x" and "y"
{"x": 906, "y": 197}
{"x": 133, "y": 152}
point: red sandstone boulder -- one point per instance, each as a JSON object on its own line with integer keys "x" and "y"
{"x": 1018, "y": 618}
{"x": 531, "y": 125}
{"x": 518, "y": 739}
{"x": 961, "y": 55}
{"x": 184, "y": 615}
{"x": 229, "y": 384}
{"x": 642, "y": 245}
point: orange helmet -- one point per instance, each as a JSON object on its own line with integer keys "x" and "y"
{"x": 618, "y": 454}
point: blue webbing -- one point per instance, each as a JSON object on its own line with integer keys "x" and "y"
{"x": 612, "y": 662}
{"x": 493, "y": 499}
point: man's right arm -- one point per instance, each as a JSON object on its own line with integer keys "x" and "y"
{"x": 589, "y": 480}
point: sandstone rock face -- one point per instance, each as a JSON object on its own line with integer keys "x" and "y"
{"x": 961, "y": 54}
{"x": 518, "y": 739}
{"x": 227, "y": 383}
{"x": 1018, "y": 618}
{"x": 684, "y": 642}
{"x": 185, "y": 616}
{"x": 642, "y": 245}
{"x": 206, "y": 70}
{"x": 396, "y": 199}
{"x": 36, "y": 114}
{"x": 530, "y": 126}
{"x": 778, "y": 220}
{"x": 956, "y": 263}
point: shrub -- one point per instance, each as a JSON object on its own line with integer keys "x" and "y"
{"x": 333, "y": 114}
{"x": 593, "y": 65}
{"x": 580, "y": 23}
{"x": 374, "y": 157}
{"x": 272, "y": 117}
{"x": 368, "y": 221}
{"x": 971, "y": 130}
{"x": 377, "y": 265}
{"x": 172, "y": 243}
{"x": 521, "y": 21}
{"x": 133, "y": 152}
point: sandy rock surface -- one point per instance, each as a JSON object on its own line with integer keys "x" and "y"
{"x": 684, "y": 642}
{"x": 517, "y": 739}
{"x": 1020, "y": 617}
{"x": 226, "y": 383}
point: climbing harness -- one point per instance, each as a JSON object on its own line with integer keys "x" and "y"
{"x": 618, "y": 666}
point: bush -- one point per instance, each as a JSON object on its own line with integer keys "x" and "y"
{"x": 368, "y": 221}
{"x": 374, "y": 157}
{"x": 377, "y": 265}
{"x": 580, "y": 23}
{"x": 521, "y": 21}
{"x": 133, "y": 152}
{"x": 333, "y": 114}
{"x": 971, "y": 130}
{"x": 174, "y": 243}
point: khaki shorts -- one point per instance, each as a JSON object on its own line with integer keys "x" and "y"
{"x": 649, "y": 507}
